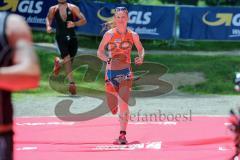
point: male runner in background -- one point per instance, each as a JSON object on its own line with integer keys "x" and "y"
{"x": 65, "y": 14}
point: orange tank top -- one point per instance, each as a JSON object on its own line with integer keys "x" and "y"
{"x": 120, "y": 47}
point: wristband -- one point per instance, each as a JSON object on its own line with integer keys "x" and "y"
{"x": 109, "y": 60}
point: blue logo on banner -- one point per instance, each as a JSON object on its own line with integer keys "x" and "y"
{"x": 9, "y": 5}
{"x": 24, "y": 6}
{"x": 210, "y": 23}
{"x": 103, "y": 17}
{"x": 223, "y": 19}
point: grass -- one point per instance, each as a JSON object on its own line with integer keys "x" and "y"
{"x": 188, "y": 45}
{"x": 218, "y": 71}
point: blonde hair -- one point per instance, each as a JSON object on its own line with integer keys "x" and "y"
{"x": 110, "y": 24}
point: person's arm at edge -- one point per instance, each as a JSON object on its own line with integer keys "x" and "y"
{"x": 25, "y": 72}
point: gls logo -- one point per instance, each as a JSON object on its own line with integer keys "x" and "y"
{"x": 135, "y": 17}
{"x": 138, "y": 17}
{"x": 24, "y": 6}
{"x": 226, "y": 19}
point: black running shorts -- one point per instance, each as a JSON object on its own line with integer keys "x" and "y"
{"x": 67, "y": 46}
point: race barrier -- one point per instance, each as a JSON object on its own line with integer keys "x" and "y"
{"x": 210, "y": 23}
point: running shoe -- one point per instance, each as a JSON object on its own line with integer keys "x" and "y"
{"x": 72, "y": 88}
{"x": 122, "y": 139}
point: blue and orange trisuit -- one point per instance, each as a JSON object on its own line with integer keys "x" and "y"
{"x": 119, "y": 49}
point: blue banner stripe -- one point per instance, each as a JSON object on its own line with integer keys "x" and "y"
{"x": 151, "y": 22}
{"x": 210, "y": 23}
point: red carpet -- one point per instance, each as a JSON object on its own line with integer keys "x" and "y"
{"x": 47, "y": 138}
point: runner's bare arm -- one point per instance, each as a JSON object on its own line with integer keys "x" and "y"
{"x": 101, "y": 49}
{"x": 138, "y": 44}
{"x": 49, "y": 19}
{"x": 25, "y": 72}
{"x": 82, "y": 20}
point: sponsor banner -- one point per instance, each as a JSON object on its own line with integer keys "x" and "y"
{"x": 210, "y": 23}
{"x": 35, "y": 11}
{"x": 151, "y": 22}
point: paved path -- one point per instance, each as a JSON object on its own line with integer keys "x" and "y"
{"x": 173, "y": 103}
